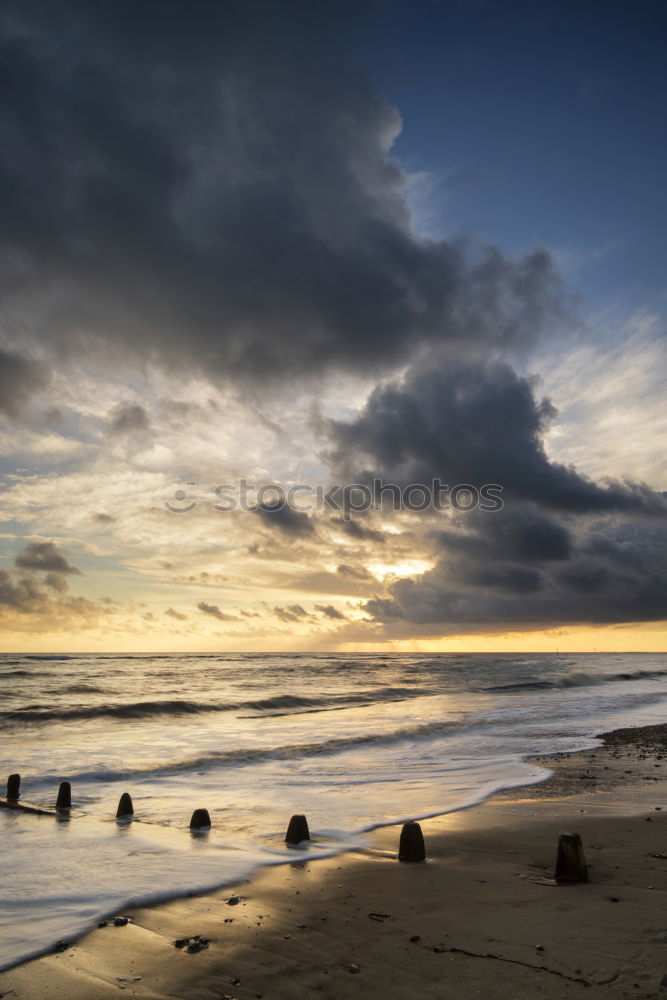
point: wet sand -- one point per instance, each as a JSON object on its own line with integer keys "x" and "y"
{"x": 482, "y": 918}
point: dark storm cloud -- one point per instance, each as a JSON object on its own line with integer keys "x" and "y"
{"x": 128, "y": 418}
{"x": 20, "y": 379}
{"x": 615, "y": 572}
{"x": 210, "y": 185}
{"x": 285, "y": 518}
{"x": 357, "y": 531}
{"x": 469, "y": 422}
{"x": 214, "y": 610}
{"x": 562, "y": 549}
{"x": 44, "y": 556}
{"x": 518, "y": 535}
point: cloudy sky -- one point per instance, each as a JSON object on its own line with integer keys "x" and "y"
{"x": 254, "y": 253}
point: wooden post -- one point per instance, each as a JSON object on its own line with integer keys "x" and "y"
{"x": 13, "y": 786}
{"x": 200, "y": 819}
{"x": 570, "y": 861}
{"x": 64, "y": 800}
{"x": 297, "y": 830}
{"x": 125, "y": 807}
{"x": 411, "y": 845}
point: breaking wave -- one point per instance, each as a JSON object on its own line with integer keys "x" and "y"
{"x": 577, "y": 678}
{"x": 279, "y": 705}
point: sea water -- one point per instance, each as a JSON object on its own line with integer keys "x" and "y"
{"x": 353, "y": 742}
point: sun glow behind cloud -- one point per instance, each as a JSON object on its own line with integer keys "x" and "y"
{"x": 407, "y": 567}
{"x": 280, "y": 295}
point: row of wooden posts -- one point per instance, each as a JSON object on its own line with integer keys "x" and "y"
{"x": 570, "y": 860}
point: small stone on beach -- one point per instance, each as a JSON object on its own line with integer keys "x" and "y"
{"x": 192, "y": 944}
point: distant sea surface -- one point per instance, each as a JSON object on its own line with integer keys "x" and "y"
{"x": 353, "y": 742}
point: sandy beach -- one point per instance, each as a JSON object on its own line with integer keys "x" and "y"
{"x": 482, "y": 917}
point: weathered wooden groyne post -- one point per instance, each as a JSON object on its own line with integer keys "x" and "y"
{"x": 125, "y": 808}
{"x": 411, "y": 844}
{"x": 11, "y": 800}
{"x": 13, "y": 786}
{"x": 297, "y": 830}
{"x": 570, "y": 860}
{"x": 64, "y": 800}
{"x": 200, "y": 820}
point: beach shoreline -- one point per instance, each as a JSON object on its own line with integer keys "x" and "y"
{"x": 481, "y": 917}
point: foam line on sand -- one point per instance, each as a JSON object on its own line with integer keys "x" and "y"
{"x": 482, "y": 918}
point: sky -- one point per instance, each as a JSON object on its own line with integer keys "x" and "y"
{"x": 333, "y": 326}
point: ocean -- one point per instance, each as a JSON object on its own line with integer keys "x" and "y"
{"x": 353, "y": 741}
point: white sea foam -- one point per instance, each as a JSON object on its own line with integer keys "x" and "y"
{"x": 352, "y": 742}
